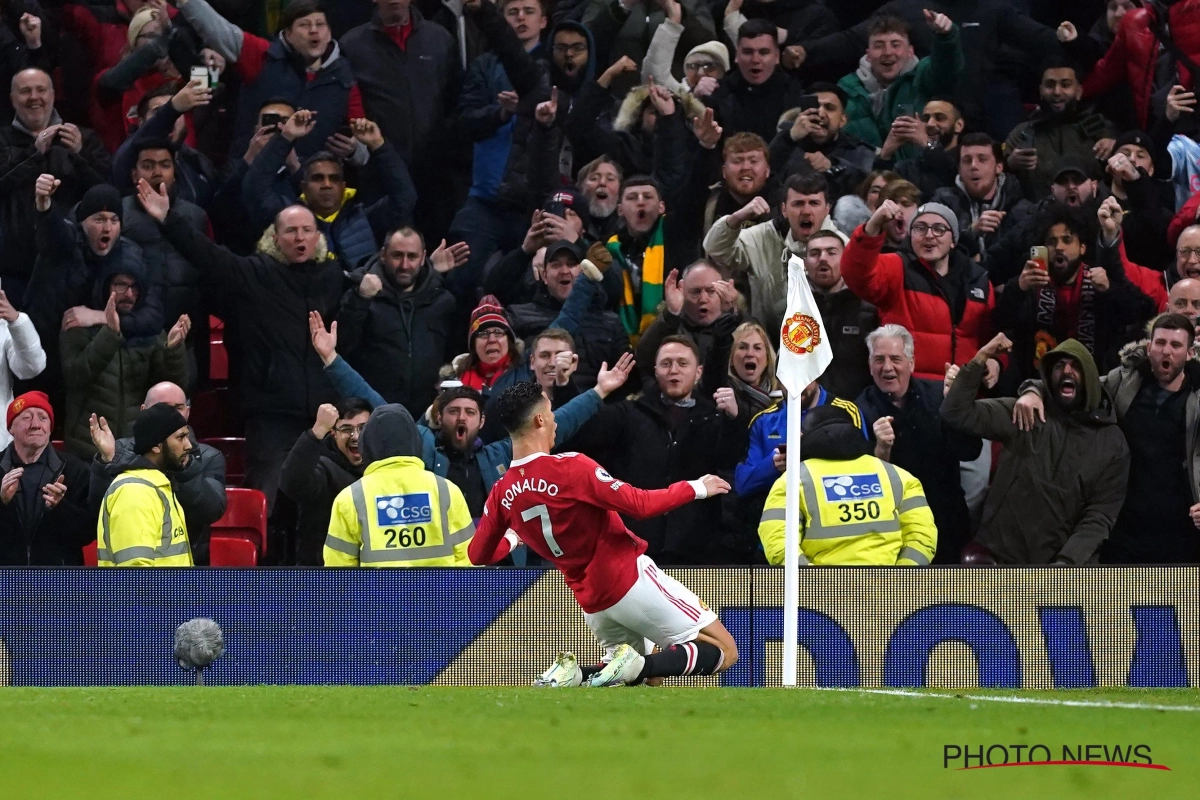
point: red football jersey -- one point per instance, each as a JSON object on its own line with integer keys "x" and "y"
{"x": 567, "y": 509}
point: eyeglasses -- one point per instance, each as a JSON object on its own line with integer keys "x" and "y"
{"x": 922, "y": 228}
{"x": 1187, "y": 253}
{"x": 349, "y": 430}
{"x": 493, "y": 333}
{"x": 577, "y": 49}
{"x": 701, "y": 66}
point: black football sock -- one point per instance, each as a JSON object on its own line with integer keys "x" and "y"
{"x": 590, "y": 671}
{"x": 690, "y": 658}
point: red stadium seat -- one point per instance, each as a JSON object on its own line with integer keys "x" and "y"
{"x": 59, "y": 445}
{"x": 235, "y": 457}
{"x": 245, "y": 518}
{"x": 89, "y": 555}
{"x": 232, "y": 551}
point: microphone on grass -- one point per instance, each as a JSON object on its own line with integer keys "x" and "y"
{"x": 198, "y": 643}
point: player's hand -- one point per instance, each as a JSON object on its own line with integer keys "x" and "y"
{"x": 884, "y": 433}
{"x": 1099, "y": 278}
{"x": 805, "y": 123}
{"x": 1110, "y": 215}
{"x": 1066, "y": 32}
{"x": 323, "y": 341}
{"x": 705, "y": 86}
{"x": 726, "y": 400}
{"x": 887, "y": 211}
{"x": 988, "y": 222}
{"x": 1023, "y": 159}
{"x": 999, "y": 345}
{"x": 10, "y": 484}
{"x": 179, "y": 331}
{"x": 565, "y": 364}
{"x": 327, "y": 417}
{"x": 1033, "y": 277}
{"x": 758, "y": 207}
{"x": 546, "y": 112}
{"x": 156, "y": 203}
{"x": 102, "y": 437}
{"x": 948, "y": 381}
{"x": 1119, "y": 166}
{"x": 938, "y": 23}
{"x": 818, "y": 161}
{"x": 713, "y": 486}
{"x": 446, "y": 258}
{"x": 299, "y": 125}
{"x": 43, "y": 190}
{"x": 31, "y": 30}
{"x": 369, "y": 286}
{"x": 706, "y": 129}
{"x": 610, "y": 380}
{"x": 1028, "y": 411}
{"x": 663, "y": 100}
{"x": 1180, "y": 101}
{"x": 71, "y": 137}
{"x": 367, "y": 132}
{"x": 43, "y": 141}
{"x": 673, "y": 293}
{"x": 53, "y": 493}
{"x": 7, "y": 312}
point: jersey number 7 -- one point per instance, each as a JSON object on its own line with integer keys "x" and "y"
{"x": 543, "y": 514}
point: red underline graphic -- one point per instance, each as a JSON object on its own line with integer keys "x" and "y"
{"x": 1069, "y": 764}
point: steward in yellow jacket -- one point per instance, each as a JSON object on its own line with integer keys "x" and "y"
{"x": 141, "y": 523}
{"x": 398, "y": 514}
{"x": 855, "y": 509}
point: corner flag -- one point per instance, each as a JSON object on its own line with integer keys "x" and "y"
{"x": 804, "y": 353}
{"x": 804, "y": 350}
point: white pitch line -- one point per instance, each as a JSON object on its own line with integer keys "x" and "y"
{"x": 1038, "y": 701}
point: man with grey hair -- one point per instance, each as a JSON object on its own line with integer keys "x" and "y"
{"x": 904, "y": 414}
{"x": 38, "y": 141}
{"x": 199, "y": 486}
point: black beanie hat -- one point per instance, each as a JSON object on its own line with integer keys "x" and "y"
{"x": 154, "y": 425}
{"x": 100, "y": 197}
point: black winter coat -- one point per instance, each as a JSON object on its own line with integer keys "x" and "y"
{"x": 600, "y": 337}
{"x": 634, "y": 441}
{"x": 848, "y": 320}
{"x": 51, "y": 538}
{"x": 398, "y": 340}
{"x": 740, "y": 106}
{"x": 314, "y": 472}
{"x": 851, "y": 160}
{"x": 282, "y": 375}
{"x": 931, "y": 450}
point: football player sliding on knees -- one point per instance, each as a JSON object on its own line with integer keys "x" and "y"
{"x": 567, "y": 509}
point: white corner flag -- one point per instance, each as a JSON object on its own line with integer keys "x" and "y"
{"x": 804, "y": 353}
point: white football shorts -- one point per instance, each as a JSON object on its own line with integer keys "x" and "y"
{"x": 657, "y": 610}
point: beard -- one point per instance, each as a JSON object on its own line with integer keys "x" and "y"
{"x": 1063, "y": 270}
{"x": 602, "y": 209}
{"x": 174, "y": 463}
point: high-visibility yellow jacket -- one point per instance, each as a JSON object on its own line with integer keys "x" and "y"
{"x": 399, "y": 515}
{"x": 861, "y": 512}
{"x": 141, "y": 523}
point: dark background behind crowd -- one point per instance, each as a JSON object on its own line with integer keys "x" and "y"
{"x": 421, "y": 202}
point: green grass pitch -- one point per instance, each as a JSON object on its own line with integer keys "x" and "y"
{"x": 406, "y": 742}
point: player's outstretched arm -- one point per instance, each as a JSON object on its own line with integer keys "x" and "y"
{"x": 644, "y": 503}
{"x": 493, "y": 539}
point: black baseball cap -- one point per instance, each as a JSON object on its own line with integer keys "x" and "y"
{"x": 554, "y": 248}
{"x": 1079, "y": 166}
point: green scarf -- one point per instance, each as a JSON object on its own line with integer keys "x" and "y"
{"x": 637, "y": 317}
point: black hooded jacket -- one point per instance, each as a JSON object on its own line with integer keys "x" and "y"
{"x": 313, "y": 474}
{"x": 390, "y": 432}
{"x": 398, "y": 340}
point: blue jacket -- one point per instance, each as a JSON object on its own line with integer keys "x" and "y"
{"x": 493, "y": 459}
{"x": 355, "y": 233}
{"x": 768, "y": 430}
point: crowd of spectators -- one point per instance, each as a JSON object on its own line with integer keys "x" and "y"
{"x": 996, "y": 202}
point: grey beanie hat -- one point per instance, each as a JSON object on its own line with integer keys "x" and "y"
{"x": 942, "y": 211}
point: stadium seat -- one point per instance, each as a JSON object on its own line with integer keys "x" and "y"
{"x": 245, "y": 518}
{"x": 59, "y": 445}
{"x": 235, "y": 457}
{"x": 218, "y": 356}
{"x": 89, "y": 555}
{"x": 232, "y": 551}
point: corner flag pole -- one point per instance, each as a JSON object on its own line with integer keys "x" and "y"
{"x": 791, "y": 544}
{"x": 804, "y": 353}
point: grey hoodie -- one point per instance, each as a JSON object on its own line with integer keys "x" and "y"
{"x": 389, "y": 432}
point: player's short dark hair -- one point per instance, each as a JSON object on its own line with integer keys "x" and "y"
{"x": 153, "y": 143}
{"x": 298, "y": 9}
{"x": 404, "y": 230}
{"x": 752, "y": 29}
{"x": 807, "y": 183}
{"x": 686, "y": 341}
{"x": 321, "y": 156}
{"x": 516, "y": 405}
{"x": 166, "y": 90}
{"x": 1077, "y": 221}
{"x": 352, "y": 406}
{"x": 640, "y": 180}
{"x": 1172, "y": 321}
{"x": 448, "y": 396}
{"x": 979, "y": 139}
{"x": 887, "y": 23}
{"x": 824, "y": 87}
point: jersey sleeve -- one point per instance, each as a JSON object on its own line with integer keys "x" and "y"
{"x": 594, "y": 485}
{"x": 493, "y": 539}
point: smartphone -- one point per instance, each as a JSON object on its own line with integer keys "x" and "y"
{"x": 272, "y": 120}
{"x": 1025, "y": 140}
{"x": 200, "y": 76}
{"x": 905, "y": 110}
{"x": 808, "y": 101}
{"x": 556, "y": 208}
{"x": 345, "y": 131}
{"x": 1041, "y": 256}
